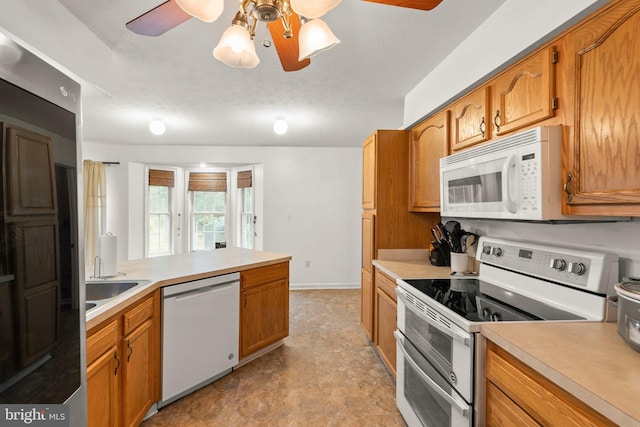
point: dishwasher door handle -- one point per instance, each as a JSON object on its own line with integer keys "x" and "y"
{"x": 199, "y": 292}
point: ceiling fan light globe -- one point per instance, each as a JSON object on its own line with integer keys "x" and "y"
{"x": 315, "y": 37}
{"x": 312, "y": 9}
{"x": 236, "y": 49}
{"x": 204, "y": 10}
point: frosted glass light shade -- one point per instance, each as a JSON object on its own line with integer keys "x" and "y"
{"x": 236, "y": 48}
{"x": 157, "y": 127}
{"x": 280, "y": 127}
{"x": 312, "y": 9}
{"x": 315, "y": 36}
{"x": 204, "y": 10}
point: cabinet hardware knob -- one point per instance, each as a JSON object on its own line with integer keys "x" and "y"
{"x": 496, "y": 120}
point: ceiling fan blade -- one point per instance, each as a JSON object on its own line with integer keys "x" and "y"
{"x": 159, "y": 20}
{"x": 413, "y": 4}
{"x": 288, "y": 48}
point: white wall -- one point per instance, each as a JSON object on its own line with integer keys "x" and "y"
{"x": 311, "y": 202}
{"x": 513, "y": 28}
{"x": 516, "y": 27}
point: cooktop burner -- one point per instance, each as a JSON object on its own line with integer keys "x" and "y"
{"x": 479, "y": 301}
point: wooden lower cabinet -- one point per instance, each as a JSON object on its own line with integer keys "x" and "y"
{"x": 518, "y": 395}
{"x": 264, "y": 307}
{"x": 123, "y": 365}
{"x": 386, "y": 319}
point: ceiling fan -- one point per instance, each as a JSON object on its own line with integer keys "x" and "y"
{"x": 294, "y": 25}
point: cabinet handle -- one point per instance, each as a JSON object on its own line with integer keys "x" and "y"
{"x": 483, "y": 126}
{"x": 567, "y": 187}
{"x": 115, "y": 355}
{"x": 130, "y": 350}
{"x": 496, "y": 120}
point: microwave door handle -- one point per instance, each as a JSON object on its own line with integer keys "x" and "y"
{"x": 508, "y": 203}
{"x": 463, "y": 338}
{"x": 435, "y": 387}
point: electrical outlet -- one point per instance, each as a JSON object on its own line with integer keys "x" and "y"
{"x": 307, "y": 263}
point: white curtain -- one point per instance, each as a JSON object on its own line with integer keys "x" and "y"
{"x": 95, "y": 208}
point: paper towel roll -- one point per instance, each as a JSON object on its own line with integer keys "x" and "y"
{"x": 108, "y": 255}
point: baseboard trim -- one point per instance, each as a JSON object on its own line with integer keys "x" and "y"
{"x": 314, "y": 286}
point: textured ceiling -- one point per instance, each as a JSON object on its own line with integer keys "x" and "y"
{"x": 344, "y": 94}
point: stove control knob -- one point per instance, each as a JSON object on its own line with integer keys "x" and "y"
{"x": 557, "y": 264}
{"x": 496, "y": 251}
{"x": 577, "y": 268}
{"x": 495, "y": 317}
{"x": 486, "y": 250}
{"x": 486, "y": 313}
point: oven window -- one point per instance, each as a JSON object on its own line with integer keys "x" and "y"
{"x": 432, "y": 409}
{"x": 432, "y": 343}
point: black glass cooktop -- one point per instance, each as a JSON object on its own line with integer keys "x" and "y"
{"x": 479, "y": 301}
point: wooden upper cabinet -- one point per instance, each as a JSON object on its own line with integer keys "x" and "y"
{"x": 602, "y": 158}
{"x": 470, "y": 119}
{"x": 429, "y": 142}
{"x": 29, "y": 173}
{"x": 525, "y": 93}
{"x": 369, "y": 173}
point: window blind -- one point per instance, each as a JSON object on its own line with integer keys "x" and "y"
{"x": 207, "y": 181}
{"x": 161, "y": 178}
{"x": 245, "y": 179}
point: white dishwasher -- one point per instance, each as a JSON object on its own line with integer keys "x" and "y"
{"x": 200, "y": 333}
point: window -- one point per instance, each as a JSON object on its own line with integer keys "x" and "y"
{"x": 208, "y": 210}
{"x": 247, "y": 218}
{"x": 159, "y": 220}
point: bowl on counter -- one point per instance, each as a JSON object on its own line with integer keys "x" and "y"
{"x": 628, "y": 292}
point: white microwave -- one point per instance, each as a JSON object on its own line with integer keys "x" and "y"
{"x": 518, "y": 177}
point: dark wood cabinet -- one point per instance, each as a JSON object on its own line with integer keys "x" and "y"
{"x": 29, "y": 173}
{"x": 7, "y": 335}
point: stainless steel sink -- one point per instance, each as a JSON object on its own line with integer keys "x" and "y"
{"x": 89, "y": 305}
{"x": 100, "y": 290}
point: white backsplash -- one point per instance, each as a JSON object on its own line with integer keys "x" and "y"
{"x": 619, "y": 238}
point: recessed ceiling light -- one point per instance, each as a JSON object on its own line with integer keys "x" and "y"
{"x": 157, "y": 127}
{"x": 280, "y": 127}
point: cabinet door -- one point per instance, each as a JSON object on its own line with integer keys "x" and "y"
{"x": 264, "y": 316}
{"x": 368, "y": 242}
{"x": 137, "y": 374}
{"x": 601, "y": 168}
{"x": 386, "y": 320}
{"x": 103, "y": 390}
{"x": 470, "y": 124}
{"x": 103, "y": 376}
{"x": 7, "y": 336}
{"x": 429, "y": 142}
{"x": 366, "y": 302}
{"x": 31, "y": 184}
{"x": 34, "y": 246}
{"x": 524, "y": 94}
{"x": 369, "y": 173}
{"x": 502, "y": 411}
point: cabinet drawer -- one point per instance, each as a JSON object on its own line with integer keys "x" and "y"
{"x": 262, "y": 275}
{"x": 136, "y": 316}
{"x": 386, "y": 284}
{"x": 101, "y": 341}
{"x": 502, "y": 411}
{"x": 543, "y": 400}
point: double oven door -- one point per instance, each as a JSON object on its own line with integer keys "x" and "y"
{"x": 434, "y": 379}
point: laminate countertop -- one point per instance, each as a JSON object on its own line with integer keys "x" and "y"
{"x": 168, "y": 270}
{"x": 589, "y": 360}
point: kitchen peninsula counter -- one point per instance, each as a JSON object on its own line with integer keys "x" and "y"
{"x": 172, "y": 269}
{"x": 589, "y": 360}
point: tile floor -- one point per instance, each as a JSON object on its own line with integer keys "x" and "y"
{"x": 326, "y": 374}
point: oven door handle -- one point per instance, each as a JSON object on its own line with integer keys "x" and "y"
{"x": 463, "y": 338}
{"x": 459, "y": 406}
